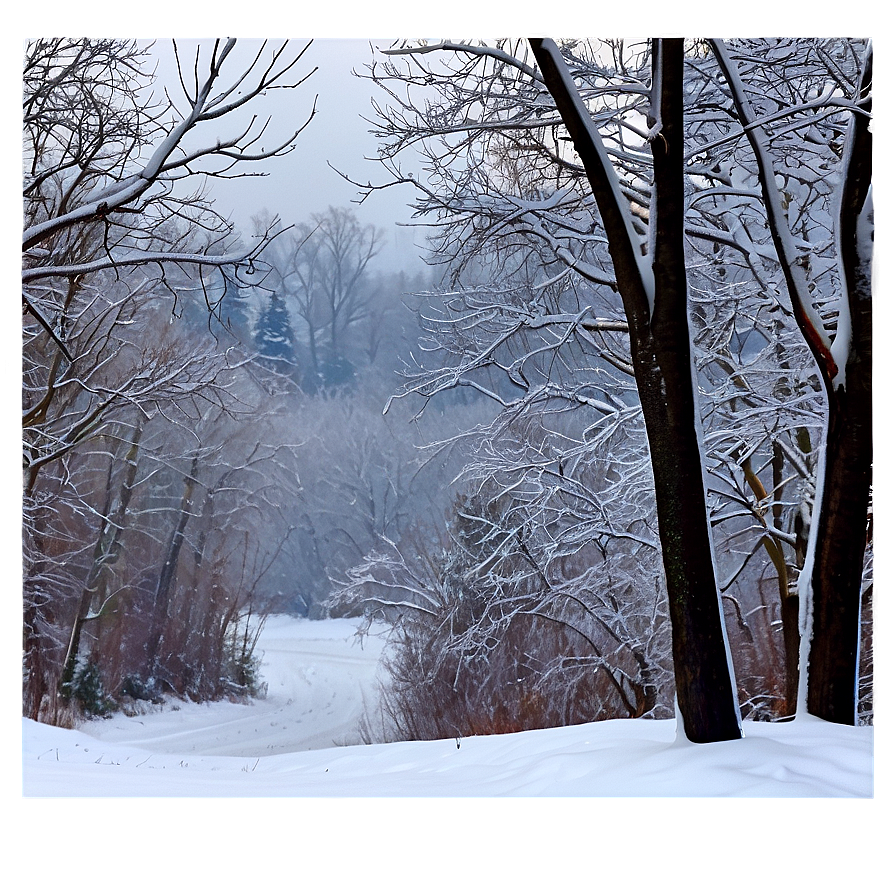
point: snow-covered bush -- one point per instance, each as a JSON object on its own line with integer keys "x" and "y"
{"x": 241, "y": 676}
{"x": 87, "y": 690}
{"x": 491, "y": 633}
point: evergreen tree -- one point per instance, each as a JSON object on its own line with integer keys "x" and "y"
{"x": 274, "y": 337}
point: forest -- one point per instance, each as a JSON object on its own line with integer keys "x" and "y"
{"x": 609, "y": 457}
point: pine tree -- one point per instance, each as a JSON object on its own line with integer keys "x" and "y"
{"x": 274, "y": 337}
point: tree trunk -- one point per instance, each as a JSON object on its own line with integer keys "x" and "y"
{"x": 790, "y": 603}
{"x": 661, "y": 355}
{"x": 38, "y": 619}
{"x": 169, "y": 567}
{"x": 842, "y": 506}
{"x": 843, "y": 515}
{"x": 837, "y": 566}
{"x": 105, "y": 552}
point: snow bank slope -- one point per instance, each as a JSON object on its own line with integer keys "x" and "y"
{"x": 616, "y": 758}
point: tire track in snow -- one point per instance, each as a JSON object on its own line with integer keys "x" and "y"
{"x": 318, "y": 677}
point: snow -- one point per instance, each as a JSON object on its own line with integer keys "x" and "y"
{"x": 319, "y": 676}
{"x": 427, "y": 845}
{"x": 617, "y": 758}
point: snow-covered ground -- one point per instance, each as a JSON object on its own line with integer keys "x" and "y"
{"x": 319, "y": 675}
{"x": 282, "y": 747}
{"x": 615, "y": 758}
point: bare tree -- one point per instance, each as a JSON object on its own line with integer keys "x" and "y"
{"x": 227, "y": 525}
{"x": 107, "y": 551}
{"x": 760, "y": 424}
{"x": 321, "y": 271}
{"x": 649, "y": 276}
{"x": 832, "y": 620}
{"x": 93, "y": 205}
{"x": 115, "y": 221}
{"x": 124, "y": 375}
{"x": 517, "y": 222}
{"x": 87, "y": 138}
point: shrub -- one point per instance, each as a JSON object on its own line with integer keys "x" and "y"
{"x": 241, "y": 675}
{"x": 134, "y": 687}
{"x": 88, "y": 691}
{"x": 492, "y": 634}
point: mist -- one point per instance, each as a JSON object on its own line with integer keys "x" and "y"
{"x": 335, "y": 148}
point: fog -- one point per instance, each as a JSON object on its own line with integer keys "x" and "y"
{"x": 336, "y": 142}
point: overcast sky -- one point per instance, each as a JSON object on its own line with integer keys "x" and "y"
{"x": 303, "y": 182}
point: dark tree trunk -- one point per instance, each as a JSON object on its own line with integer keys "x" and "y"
{"x": 842, "y": 508}
{"x": 169, "y": 567}
{"x": 105, "y": 553}
{"x": 843, "y": 515}
{"x": 703, "y": 677}
{"x": 661, "y": 355}
{"x": 790, "y": 624}
{"x": 839, "y": 556}
{"x": 837, "y": 567}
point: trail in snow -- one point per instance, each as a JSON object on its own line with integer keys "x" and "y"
{"x": 318, "y": 677}
{"x": 205, "y": 800}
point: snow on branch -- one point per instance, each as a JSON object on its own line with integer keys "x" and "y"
{"x": 164, "y": 162}
{"x": 477, "y": 50}
{"x": 797, "y": 285}
{"x": 625, "y": 244}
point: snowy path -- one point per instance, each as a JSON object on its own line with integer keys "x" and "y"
{"x": 318, "y": 677}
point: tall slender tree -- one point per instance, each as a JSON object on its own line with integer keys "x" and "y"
{"x": 832, "y": 602}
{"x": 654, "y": 295}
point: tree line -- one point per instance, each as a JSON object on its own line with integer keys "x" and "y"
{"x": 188, "y": 466}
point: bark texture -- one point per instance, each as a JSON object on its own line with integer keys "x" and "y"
{"x": 843, "y": 521}
{"x": 661, "y": 353}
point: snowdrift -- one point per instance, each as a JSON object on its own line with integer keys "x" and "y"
{"x": 620, "y": 758}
